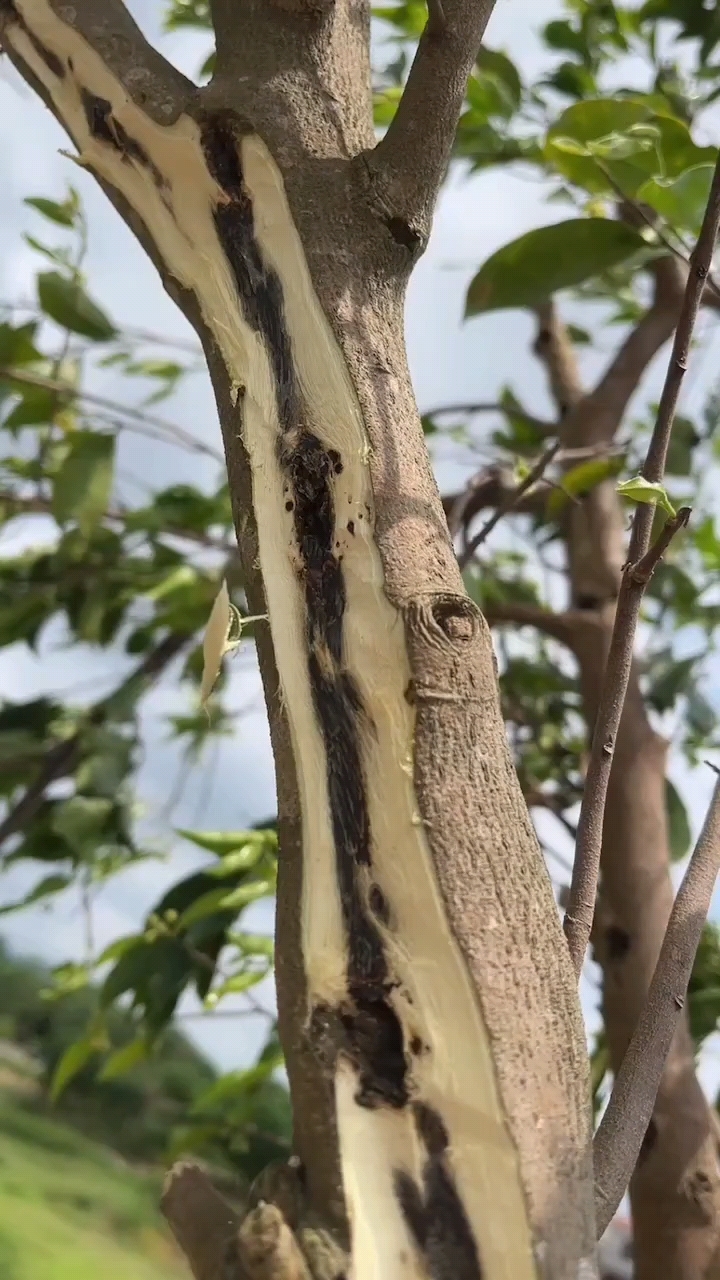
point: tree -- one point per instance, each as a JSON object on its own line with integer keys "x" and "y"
{"x": 287, "y": 237}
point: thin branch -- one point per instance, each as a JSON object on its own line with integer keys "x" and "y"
{"x": 62, "y": 759}
{"x": 177, "y": 434}
{"x": 535, "y": 474}
{"x": 583, "y": 889}
{"x": 408, "y": 165}
{"x": 491, "y": 406}
{"x": 559, "y": 626}
{"x": 620, "y": 1133}
{"x": 36, "y": 505}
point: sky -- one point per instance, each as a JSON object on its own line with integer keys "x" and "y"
{"x": 450, "y": 361}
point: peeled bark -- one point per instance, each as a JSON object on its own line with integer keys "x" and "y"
{"x": 427, "y": 1006}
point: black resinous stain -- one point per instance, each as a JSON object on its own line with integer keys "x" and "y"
{"x": 104, "y": 126}
{"x": 372, "y": 1030}
{"x": 434, "y": 1213}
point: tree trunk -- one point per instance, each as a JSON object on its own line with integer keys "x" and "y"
{"x": 428, "y": 1011}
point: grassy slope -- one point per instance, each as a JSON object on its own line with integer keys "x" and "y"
{"x": 69, "y": 1210}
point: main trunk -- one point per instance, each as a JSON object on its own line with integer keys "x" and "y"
{"x": 428, "y": 1012}
{"x": 675, "y": 1193}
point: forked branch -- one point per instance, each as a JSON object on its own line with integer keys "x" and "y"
{"x": 623, "y": 1127}
{"x": 412, "y": 158}
{"x": 583, "y": 889}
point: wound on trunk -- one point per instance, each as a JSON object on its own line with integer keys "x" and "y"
{"x": 373, "y": 1034}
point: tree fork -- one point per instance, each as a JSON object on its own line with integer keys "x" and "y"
{"x": 414, "y": 912}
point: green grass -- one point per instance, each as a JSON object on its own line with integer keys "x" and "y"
{"x": 70, "y": 1210}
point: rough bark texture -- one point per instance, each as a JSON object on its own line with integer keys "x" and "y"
{"x": 428, "y": 1013}
{"x": 675, "y": 1192}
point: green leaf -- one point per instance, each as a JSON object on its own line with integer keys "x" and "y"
{"x": 75, "y": 1057}
{"x": 82, "y": 486}
{"x": 226, "y": 900}
{"x": 236, "y": 985}
{"x": 638, "y": 489}
{"x": 64, "y": 214}
{"x": 81, "y": 821}
{"x": 48, "y": 886}
{"x": 678, "y": 824}
{"x": 529, "y": 270}
{"x": 124, "y": 1059}
{"x": 66, "y": 302}
{"x": 224, "y": 842}
{"x": 580, "y": 480}
{"x": 680, "y": 201}
{"x": 491, "y": 62}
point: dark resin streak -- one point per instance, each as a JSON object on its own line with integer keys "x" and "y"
{"x": 372, "y": 1030}
{"x": 434, "y": 1214}
{"x": 104, "y": 126}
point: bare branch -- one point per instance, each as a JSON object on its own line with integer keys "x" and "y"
{"x": 63, "y": 758}
{"x": 597, "y": 417}
{"x": 560, "y": 626}
{"x": 623, "y": 1127}
{"x": 491, "y": 487}
{"x": 583, "y": 889}
{"x": 202, "y": 1221}
{"x": 491, "y": 406}
{"x": 510, "y": 502}
{"x": 155, "y": 84}
{"x": 173, "y": 433}
{"x": 409, "y": 164}
{"x": 554, "y": 348}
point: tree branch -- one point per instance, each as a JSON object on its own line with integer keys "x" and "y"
{"x": 202, "y": 1221}
{"x": 151, "y": 82}
{"x": 410, "y": 162}
{"x": 559, "y": 626}
{"x": 583, "y": 889}
{"x": 63, "y": 758}
{"x": 597, "y": 417}
{"x": 63, "y": 389}
{"x": 622, "y": 1129}
{"x": 555, "y": 350}
{"x": 509, "y": 504}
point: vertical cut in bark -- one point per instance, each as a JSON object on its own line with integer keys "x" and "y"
{"x": 431, "y": 1174}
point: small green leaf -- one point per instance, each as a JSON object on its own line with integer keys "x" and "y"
{"x": 63, "y": 214}
{"x": 75, "y": 1057}
{"x": 48, "y": 886}
{"x": 226, "y": 900}
{"x": 529, "y": 270}
{"x": 680, "y": 201}
{"x": 638, "y": 489}
{"x": 236, "y": 986}
{"x": 82, "y": 486}
{"x": 66, "y": 302}
{"x": 124, "y": 1059}
{"x": 580, "y": 480}
{"x": 224, "y": 842}
{"x": 678, "y": 824}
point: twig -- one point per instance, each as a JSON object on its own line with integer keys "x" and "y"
{"x": 409, "y": 164}
{"x": 623, "y": 1127}
{"x": 138, "y": 415}
{"x": 62, "y": 759}
{"x": 531, "y": 478}
{"x": 583, "y": 889}
{"x": 490, "y": 406}
{"x": 202, "y": 1221}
